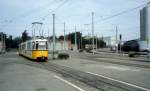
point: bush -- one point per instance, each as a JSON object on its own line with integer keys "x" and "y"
{"x": 131, "y": 54}
{"x": 81, "y": 50}
{"x": 89, "y": 50}
{"x": 63, "y": 56}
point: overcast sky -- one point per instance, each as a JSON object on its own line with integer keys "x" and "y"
{"x": 18, "y": 15}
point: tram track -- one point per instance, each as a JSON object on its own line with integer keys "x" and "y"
{"x": 120, "y": 63}
{"x": 100, "y": 83}
{"x": 126, "y": 62}
{"x": 91, "y": 80}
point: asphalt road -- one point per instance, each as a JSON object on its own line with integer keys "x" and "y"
{"x": 131, "y": 74}
{"x": 87, "y": 74}
{"x": 20, "y": 74}
{"x": 114, "y": 59}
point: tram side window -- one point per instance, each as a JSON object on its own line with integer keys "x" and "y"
{"x": 29, "y": 45}
{"x": 23, "y": 47}
{"x": 33, "y": 45}
{"x": 37, "y": 45}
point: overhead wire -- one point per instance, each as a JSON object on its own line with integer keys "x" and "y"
{"x": 59, "y": 6}
{"x": 29, "y": 13}
{"x": 32, "y": 11}
{"x": 118, "y": 14}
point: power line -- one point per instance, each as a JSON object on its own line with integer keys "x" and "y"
{"x": 29, "y": 12}
{"x": 57, "y": 18}
{"x": 51, "y": 12}
{"x": 34, "y": 10}
{"x": 43, "y": 18}
{"x": 54, "y": 10}
{"x": 13, "y": 19}
{"x": 120, "y": 13}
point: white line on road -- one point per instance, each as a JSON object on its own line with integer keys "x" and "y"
{"x": 69, "y": 83}
{"x": 120, "y": 68}
{"x": 120, "y": 81}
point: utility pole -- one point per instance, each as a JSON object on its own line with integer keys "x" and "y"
{"x": 120, "y": 38}
{"x": 64, "y": 36}
{"x": 96, "y": 42}
{"x": 48, "y": 38}
{"x": 81, "y": 39}
{"x": 53, "y": 36}
{"x": 75, "y": 41}
{"x": 116, "y": 39}
{"x": 93, "y": 29}
{"x": 79, "y": 43}
{"x": 2, "y": 41}
{"x": 47, "y": 32}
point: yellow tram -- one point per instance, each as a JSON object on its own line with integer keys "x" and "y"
{"x": 36, "y": 49}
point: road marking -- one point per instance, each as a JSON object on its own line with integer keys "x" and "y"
{"x": 112, "y": 59}
{"x": 69, "y": 83}
{"x": 142, "y": 88}
{"x": 121, "y": 68}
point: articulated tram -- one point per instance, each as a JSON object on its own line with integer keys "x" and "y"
{"x": 36, "y": 49}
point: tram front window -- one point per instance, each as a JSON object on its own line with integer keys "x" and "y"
{"x": 41, "y": 46}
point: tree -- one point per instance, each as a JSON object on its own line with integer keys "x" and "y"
{"x": 12, "y": 43}
{"x": 71, "y": 36}
{"x": 24, "y": 36}
{"x": 16, "y": 42}
{"x": 9, "y": 42}
{"x": 100, "y": 42}
{"x": 61, "y": 37}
